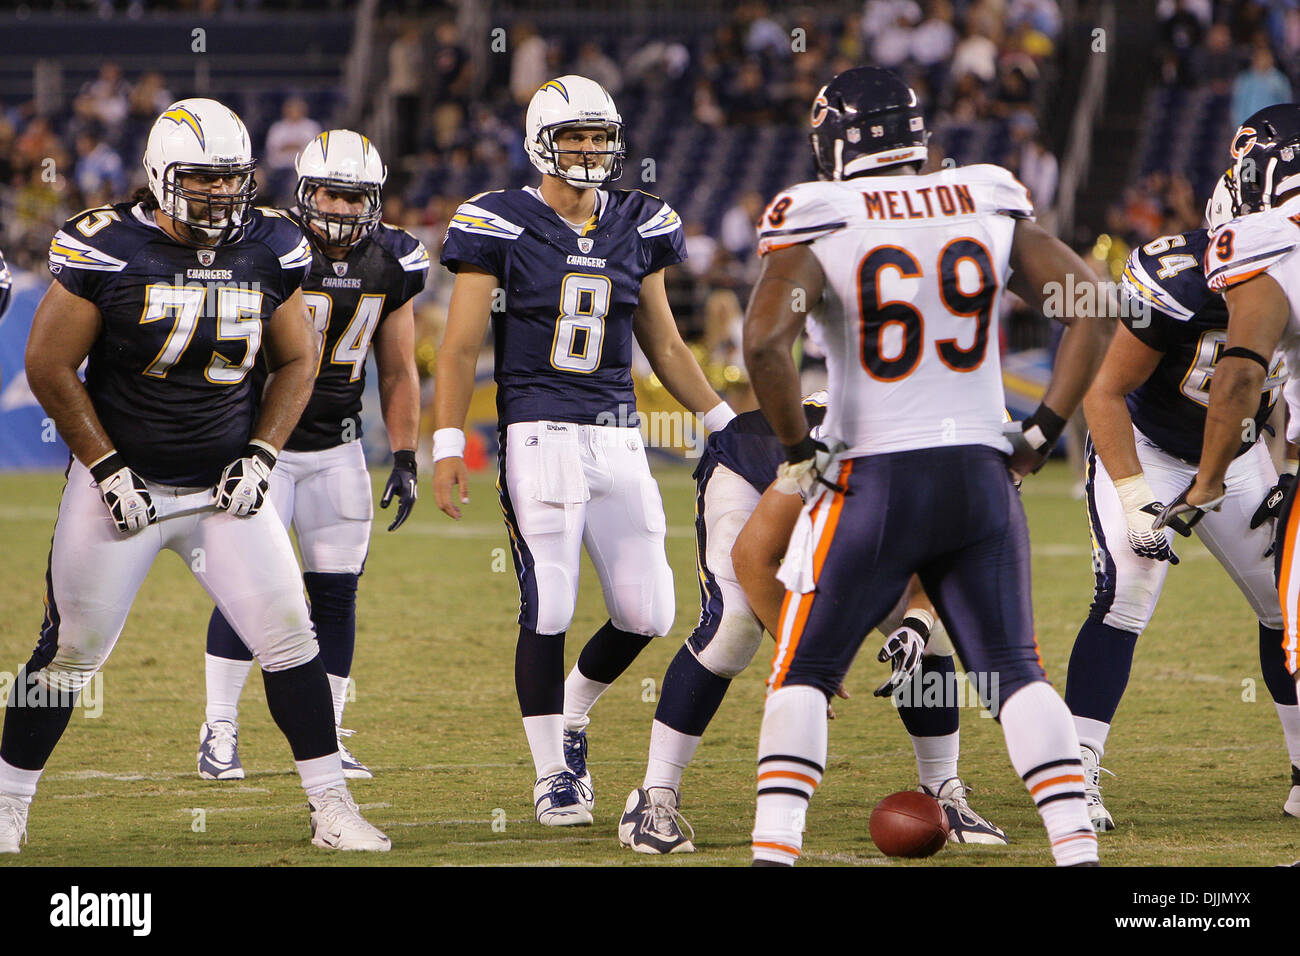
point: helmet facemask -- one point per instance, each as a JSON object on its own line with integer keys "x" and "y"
{"x": 210, "y": 217}
{"x": 340, "y": 229}
{"x": 610, "y": 161}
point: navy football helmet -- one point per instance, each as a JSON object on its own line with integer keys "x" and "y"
{"x": 6, "y": 285}
{"x": 1266, "y": 158}
{"x": 866, "y": 119}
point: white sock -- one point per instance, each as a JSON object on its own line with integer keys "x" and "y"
{"x": 15, "y": 782}
{"x": 225, "y": 679}
{"x": 1092, "y": 733}
{"x": 339, "y": 689}
{"x": 1044, "y": 749}
{"x": 546, "y": 741}
{"x": 1289, "y": 714}
{"x": 580, "y": 695}
{"x": 936, "y": 759}
{"x": 671, "y": 752}
{"x": 794, "y": 727}
{"x": 321, "y": 773}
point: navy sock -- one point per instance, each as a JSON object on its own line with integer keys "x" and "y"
{"x": 933, "y": 720}
{"x": 691, "y": 695}
{"x": 302, "y": 707}
{"x": 223, "y": 641}
{"x": 609, "y": 653}
{"x": 1099, "y": 669}
{"x": 34, "y": 722}
{"x": 333, "y": 599}
{"x": 1272, "y": 661}
{"x": 539, "y": 672}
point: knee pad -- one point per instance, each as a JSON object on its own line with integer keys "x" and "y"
{"x": 555, "y": 598}
{"x": 655, "y": 608}
{"x": 732, "y": 646}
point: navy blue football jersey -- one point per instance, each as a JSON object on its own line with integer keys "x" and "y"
{"x": 749, "y": 447}
{"x": 563, "y": 333}
{"x": 182, "y": 326}
{"x": 1182, "y": 318}
{"x": 348, "y": 300}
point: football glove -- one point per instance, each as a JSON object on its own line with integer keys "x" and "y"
{"x": 124, "y": 492}
{"x": 1181, "y": 516}
{"x": 1032, "y": 440}
{"x": 805, "y": 463}
{"x": 1271, "y": 506}
{"x": 403, "y": 483}
{"x": 242, "y": 488}
{"x": 1140, "y": 511}
{"x": 903, "y": 650}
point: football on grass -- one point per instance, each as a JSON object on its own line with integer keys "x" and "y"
{"x": 909, "y": 823}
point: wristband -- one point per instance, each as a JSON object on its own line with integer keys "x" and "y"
{"x": 1043, "y": 428}
{"x": 716, "y": 418}
{"x": 1290, "y": 467}
{"x": 257, "y": 448}
{"x": 1238, "y": 351}
{"x": 805, "y": 449}
{"x": 448, "y": 443}
{"x": 101, "y": 468}
{"x": 404, "y": 459}
{"x": 1134, "y": 492}
{"x": 919, "y": 620}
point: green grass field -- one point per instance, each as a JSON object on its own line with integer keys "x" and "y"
{"x": 1201, "y": 771}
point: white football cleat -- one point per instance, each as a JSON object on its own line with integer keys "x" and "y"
{"x": 13, "y": 823}
{"x": 1092, "y": 771}
{"x": 575, "y": 758}
{"x": 337, "y": 824}
{"x": 219, "y": 751}
{"x": 559, "y": 801}
{"x": 353, "y": 768}
{"x": 1292, "y": 806}
{"x": 651, "y": 823}
{"x": 964, "y": 824}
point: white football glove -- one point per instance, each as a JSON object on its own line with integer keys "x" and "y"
{"x": 904, "y": 648}
{"x": 124, "y": 492}
{"x": 804, "y": 466}
{"x": 1141, "y": 509}
{"x": 1182, "y": 516}
{"x": 242, "y": 488}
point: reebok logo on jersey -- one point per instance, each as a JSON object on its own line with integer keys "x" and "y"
{"x": 591, "y": 262}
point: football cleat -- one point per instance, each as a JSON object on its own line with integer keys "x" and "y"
{"x": 559, "y": 801}
{"x": 964, "y": 824}
{"x": 337, "y": 824}
{"x": 651, "y": 823}
{"x": 219, "y": 751}
{"x": 13, "y": 823}
{"x": 353, "y": 768}
{"x": 575, "y": 758}
{"x": 1292, "y": 806}
{"x": 1092, "y": 771}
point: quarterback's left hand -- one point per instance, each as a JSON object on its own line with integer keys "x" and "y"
{"x": 242, "y": 488}
{"x": 403, "y": 483}
{"x": 903, "y": 649}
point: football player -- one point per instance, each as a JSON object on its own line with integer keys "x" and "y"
{"x": 903, "y": 273}
{"x": 364, "y": 275}
{"x": 1146, "y": 418}
{"x": 742, "y": 524}
{"x": 169, "y": 301}
{"x": 570, "y": 274}
{"x": 1252, "y": 262}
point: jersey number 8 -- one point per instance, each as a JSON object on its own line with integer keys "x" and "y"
{"x": 580, "y": 326}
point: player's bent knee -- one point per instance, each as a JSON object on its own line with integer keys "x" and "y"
{"x": 555, "y": 598}
{"x": 733, "y": 645}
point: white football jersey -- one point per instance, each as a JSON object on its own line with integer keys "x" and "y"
{"x": 1265, "y": 243}
{"x": 915, "y": 267}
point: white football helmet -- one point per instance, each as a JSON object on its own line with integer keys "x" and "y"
{"x": 1223, "y": 201}
{"x": 203, "y": 137}
{"x": 347, "y": 161}
{"x": 574, "y": 101}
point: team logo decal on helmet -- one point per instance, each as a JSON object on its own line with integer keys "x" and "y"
{"x": 346, "y": 162}
{"x": 201, "y": 137}
{"x": 575, "y": 102}
{"x": 1266, "y": 159}
{"x": 863, "y": 120}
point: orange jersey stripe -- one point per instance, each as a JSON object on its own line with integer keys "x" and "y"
{"x": 790, "y": 774}
{"x": 1064, "y": 778}
{"x": 781, "y": 663}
